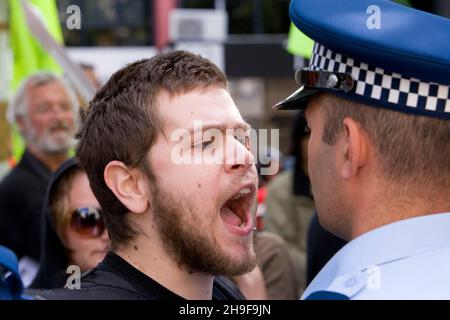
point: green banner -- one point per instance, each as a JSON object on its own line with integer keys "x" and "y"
{"x": 29, "y": 55}
{"x": 298, "y": 43}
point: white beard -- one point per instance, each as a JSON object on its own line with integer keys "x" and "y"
{"x": 48, "y": 142}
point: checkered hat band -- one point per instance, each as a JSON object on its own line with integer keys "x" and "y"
{"x": 383, "y": 86}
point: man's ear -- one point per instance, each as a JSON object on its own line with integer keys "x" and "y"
{"x": 355, "y": 147}
{"x": 128, "y": 184}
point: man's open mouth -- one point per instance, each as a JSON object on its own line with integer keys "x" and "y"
{"x": 236, "y": 211}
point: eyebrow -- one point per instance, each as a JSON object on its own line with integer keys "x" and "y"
{"x": 223, "y": 126}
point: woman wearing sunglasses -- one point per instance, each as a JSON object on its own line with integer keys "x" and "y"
{"x": 73, "y": 233}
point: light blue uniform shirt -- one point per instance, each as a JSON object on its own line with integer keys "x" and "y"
{"x": 408, "y": 259}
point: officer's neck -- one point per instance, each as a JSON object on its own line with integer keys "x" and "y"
{"x": 393, "y": 206}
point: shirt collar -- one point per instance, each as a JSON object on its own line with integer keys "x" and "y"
{"x": 395, "y": 241}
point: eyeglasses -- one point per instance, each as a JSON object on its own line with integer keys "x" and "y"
{"x": 87, "y": 222}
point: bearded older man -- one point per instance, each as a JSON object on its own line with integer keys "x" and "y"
{"x": 44, "y": 109}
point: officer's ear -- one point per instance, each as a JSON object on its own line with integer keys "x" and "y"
{"x": 355, "y": 148}
{"x": 129, "y": 185}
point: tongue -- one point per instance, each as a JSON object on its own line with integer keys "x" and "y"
{"x": 229, "y": 216}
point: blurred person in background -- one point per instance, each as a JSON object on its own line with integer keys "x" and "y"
{"x": 274, "y": 278}
{"x": 289, "y": 203}
{"x": 44, "y": 109}
{"x": 73, "y": 231}
{"x": 252, "y": 284}
{"x": 276, "y": 266}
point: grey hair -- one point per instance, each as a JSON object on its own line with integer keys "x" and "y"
{"x": 18, "y": 103}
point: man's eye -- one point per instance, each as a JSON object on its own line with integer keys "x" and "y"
{"x": 205, "y": 144}
{"x": 43, "y": 108}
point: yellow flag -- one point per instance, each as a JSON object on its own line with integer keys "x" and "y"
{"x": 298, "y": 43}
{"x": 28, "y": 54}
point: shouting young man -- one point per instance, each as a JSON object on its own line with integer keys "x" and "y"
{"x": 175, "y": 226}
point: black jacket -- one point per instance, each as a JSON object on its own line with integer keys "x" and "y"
{"x": 54, "y": 257}
{"x": 21, "y": 197}
{"x": 116, "y": 279}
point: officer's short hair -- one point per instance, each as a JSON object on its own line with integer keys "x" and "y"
{"x": 411, "y": 148}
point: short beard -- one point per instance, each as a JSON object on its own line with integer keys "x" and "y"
{"x": 47, "y": 144}
{"x": 192, "y": 250}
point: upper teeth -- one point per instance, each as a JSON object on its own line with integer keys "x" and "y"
{"x": 241, "y": 194}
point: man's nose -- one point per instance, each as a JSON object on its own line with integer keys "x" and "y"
{"x": 237, "y": 157}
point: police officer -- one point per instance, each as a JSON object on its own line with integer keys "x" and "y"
{"x": 376, "y": 98}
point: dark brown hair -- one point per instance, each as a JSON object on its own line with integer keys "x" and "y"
{"x": 122, "y": 123}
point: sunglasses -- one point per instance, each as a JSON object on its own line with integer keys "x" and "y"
{"x": 87, "y": 222}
